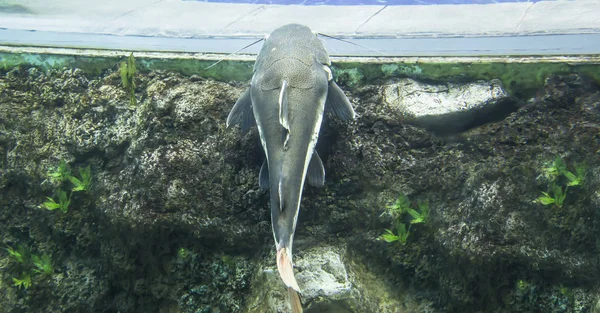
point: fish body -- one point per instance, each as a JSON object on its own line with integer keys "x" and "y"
{"x": 290, "y": 90}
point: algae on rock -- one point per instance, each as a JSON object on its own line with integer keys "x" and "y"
{"x": 167, "y": 174}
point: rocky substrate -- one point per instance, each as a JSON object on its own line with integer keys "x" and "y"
{"x": 174, "y": 220}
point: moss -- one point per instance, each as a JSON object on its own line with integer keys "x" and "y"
{"x": 348, "y": 77}
{"x": 92, "y": 65}
{"x": 224, "y": 71}
{"x": 519, "y": 79}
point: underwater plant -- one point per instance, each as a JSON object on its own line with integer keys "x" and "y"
{"x": 400, "y": 210}
{"x": 554, "y": 172}
{"x": 183, "y": 253}
{"x": 60, "y": 174}
{"x": 24, "y": 282}
{"x": 43, "y": 264}
{"x": 18, "y": 255}
{"x": 62, "y": 204}
{"x": 29, "y": 263}
{"x": 554, "y": 169}
{"x": 85, "y": 182}
{"x": 400, "y": 206}
{"x": 578, "y": 178}
{"x": 127, "y": 71}
{"x": 420, "y": 216}
{"x": 402, "y": 234}
{"x": 558, "y": 196}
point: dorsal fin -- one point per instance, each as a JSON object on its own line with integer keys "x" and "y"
{"x": 280, "y": 192}
{"x": 284, "y": 112}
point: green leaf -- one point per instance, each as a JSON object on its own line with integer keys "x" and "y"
{"x": 63, "y": 200}
{"x": 399, "y": 206}
{"x": 570, "y": 176}
{"x": 414, "y": 213}
{"x": 417, "y": 216}
{"x": 43, "y": 265}
{"x": 85, "y": 182}
{"x": 577, "y": 178}
{"x": 123, "y": 72}
{"x": 559, "y": 165}
{"x": 574, "y": 180}
{"x": 78, "y": 188}
{"x": 403, "y": 233}
{"x": 389, "y": 236}
{"x": 559, "y": 195}
{"x": 581, "y": 170}
{"x": 131, "y": 66}
{"x": 51, "y": 205}
{"x": 75, "y": 181}
{"x": 545, "y": 200}
{"x": 17, "y": 254}
{"x": 23, "y": 283}
{"x": 60, "y": 174}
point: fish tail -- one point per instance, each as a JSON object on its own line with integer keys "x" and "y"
{"x": 295, "y": 300}
{"x": 286, "y": 269}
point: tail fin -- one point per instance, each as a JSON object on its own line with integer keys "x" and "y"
{"x": 295, "y": 301}
{"x": 286, "y": 269}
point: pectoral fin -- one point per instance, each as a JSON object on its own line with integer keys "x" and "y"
{"x": 337, "y": 102}
{"x": 242, "y": 112}
{"x": 263, "y": 177}
{"x": 316, "y": 172}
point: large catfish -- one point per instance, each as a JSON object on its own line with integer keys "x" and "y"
{"x": 291, "y": 88}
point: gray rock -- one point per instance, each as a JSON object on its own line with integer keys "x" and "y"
{"x": 448, "y": 107}
{"x": 323, "y": 273}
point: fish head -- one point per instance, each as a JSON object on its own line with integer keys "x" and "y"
{"x": 292, "y": 41}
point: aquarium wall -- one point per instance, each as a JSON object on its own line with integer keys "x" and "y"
{"x": 392, "y": 28}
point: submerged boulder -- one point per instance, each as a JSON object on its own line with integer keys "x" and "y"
{"x": 449, "y": 107}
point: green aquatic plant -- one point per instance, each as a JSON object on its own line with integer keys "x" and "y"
{"x": 557, "y": 197}
{"x": 63, "y": 173}
{"x": 43, "y": 264}
{"x": 62, "y": 204}
{"x": 401, "y": 210}
{"x": 578, "y": 178}
{"x": 127, "y": 71}
{"x": 24, "y": 282}
{"x": 83, "y": 183}
{"x": 420, "y": 216}
{"x": 183, "y": 253}
{"x": 555, "y": 172}
{"x": 60, "y": 173}
{"x": 399, "y": 207}
{"x": 18, "y": 255}
{"x": 401, "y": 234}
{"x": 29, "y": 264}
